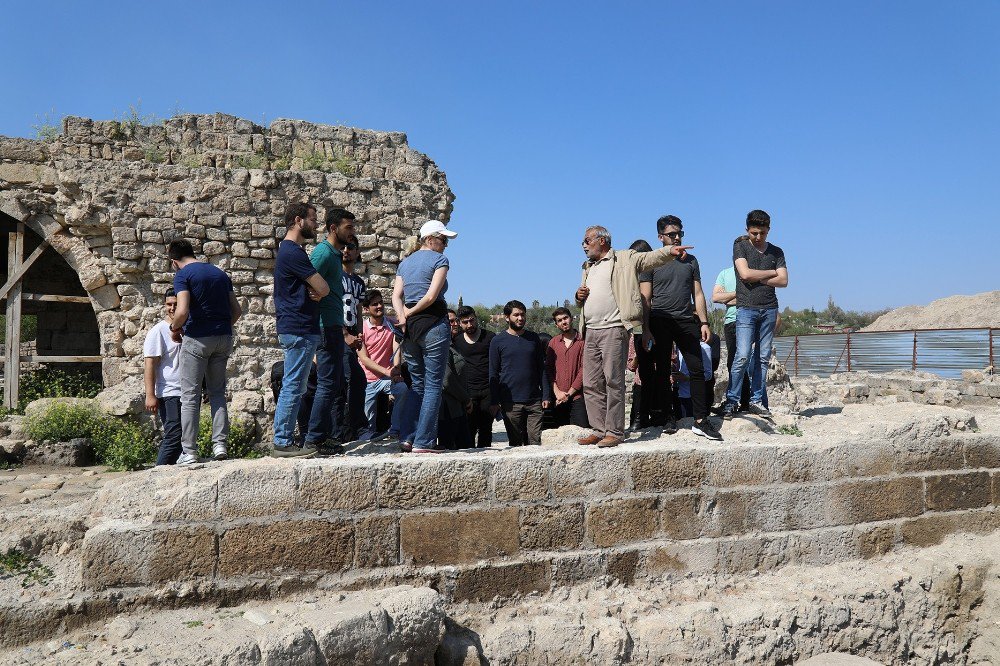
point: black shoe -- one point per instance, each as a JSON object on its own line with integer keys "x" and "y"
{"x": 669, "y": 427}
{"x": 330, "y": 449}
{"x": 758, "y": 409}
{"x": 704, "y": 428}
{"x": 728, "y": 410}
{"x": 292, "y": 451}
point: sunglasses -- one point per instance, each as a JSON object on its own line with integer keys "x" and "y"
{"x": 673, "y": 234}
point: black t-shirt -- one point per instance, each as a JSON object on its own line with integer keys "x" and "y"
{"x": 757, "y": 295}
{"x": 297, "y": 314}
{"x": 476, "y": 372}
{"x": 673, "y": 285}
{"x": 354, "y": 291}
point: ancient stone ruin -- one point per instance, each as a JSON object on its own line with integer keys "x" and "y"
{"x": 108, "y": 196}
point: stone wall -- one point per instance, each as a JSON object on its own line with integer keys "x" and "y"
{"x": 975, "y": 389}
{"x": 475, "y": 525}
{"x": 109, "y": 196}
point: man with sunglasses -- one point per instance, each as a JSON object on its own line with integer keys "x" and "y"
{"x": 611, "y": 307}
{"x": 679, "y": 315}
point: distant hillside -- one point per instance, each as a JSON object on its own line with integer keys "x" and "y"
{"x": 978, "y": 311}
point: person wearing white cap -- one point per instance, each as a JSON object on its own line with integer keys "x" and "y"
{"x": 418, "y": 298}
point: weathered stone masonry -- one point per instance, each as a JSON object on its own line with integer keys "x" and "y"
{"x": 109, "y": 196}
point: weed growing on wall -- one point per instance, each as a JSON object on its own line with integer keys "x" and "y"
{"x": 16, "y": 562}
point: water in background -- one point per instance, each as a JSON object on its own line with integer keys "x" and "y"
{"x": 943, "y": 352}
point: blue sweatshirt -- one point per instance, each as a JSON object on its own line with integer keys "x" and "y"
{"x": 517, "y": 369}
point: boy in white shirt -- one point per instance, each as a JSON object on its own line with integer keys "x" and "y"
{"x": 162, "y": 377}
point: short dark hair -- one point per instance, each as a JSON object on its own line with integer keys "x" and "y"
{"x": 666, "y": 221}
{"x": 297, "y": 209}
{"x": 180, "y": 248}
{"x": 370, "y": 297}
{"x": 450, "y": 311}
{"x": 335, "y": 216}
{"x": 465, "y": 311}
{"x": 169, "y": 293}
{"x": 511, "y": 306}
{"x": 641, "y": 246}
{"x": 758, "y": 218}
{"x": 560, "y": 311}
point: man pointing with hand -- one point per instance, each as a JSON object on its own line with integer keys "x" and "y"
{"x": 611, "y": 308}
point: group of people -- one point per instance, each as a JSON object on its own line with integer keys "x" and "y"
{"x": 433, "y": 379}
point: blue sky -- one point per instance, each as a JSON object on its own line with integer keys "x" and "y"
{"x": 869, "y": 130}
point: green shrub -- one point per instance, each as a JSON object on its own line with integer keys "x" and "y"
{"x": 16, "y": 562}
{"x": 241, "y": 438}
{"x": 62, "y": 422}
{"x": 121, "y": 444}
{"x": 52, "y": 383}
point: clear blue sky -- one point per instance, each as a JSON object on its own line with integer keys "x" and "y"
{"x": 869, "y": 130}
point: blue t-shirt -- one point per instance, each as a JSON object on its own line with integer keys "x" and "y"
{"x": 297, "y": 313}
{"x": 417, "y": 270}
{"x": 209, "y": 310}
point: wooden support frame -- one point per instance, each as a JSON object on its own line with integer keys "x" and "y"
{"x": 12, "y": 292}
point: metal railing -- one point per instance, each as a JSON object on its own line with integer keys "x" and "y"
{"x": 943, "y": 351}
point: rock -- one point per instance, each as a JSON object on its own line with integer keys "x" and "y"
{"x": 127, "y": 397}
{"x": 837, "y": 659}
{"x": 563, "y": 437}
{"x": 973, "y": 376}
{"x": 257, "y": 617}
{"x": 77, "y": 452}
{"x": 746, "y": 424}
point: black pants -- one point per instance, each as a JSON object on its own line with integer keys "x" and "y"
{"x": 571, "y": 412}
{"x": 169, "y": 410}
{"x": 523, "y": 422}
{"x": 648, "y": 396}
{"x": 453, "y": 431}
{"x": 480, "y": 420}
{"x": 686, "y": 334}
{"x": 730, "y": 332}
{"x": 348, "y": 411}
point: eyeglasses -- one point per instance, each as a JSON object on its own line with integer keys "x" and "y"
{"x": 674, "y": 235}
{"x": 588, "y": 241}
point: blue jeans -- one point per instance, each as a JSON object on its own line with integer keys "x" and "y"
{"x": 398, "y": 390}
{"x": 169, "y": 410}
{"x": 299, "y": 350}
{"x": 753, "y": 326}
{"x": 329, "y": 379}
{"x": 427, "y": 359}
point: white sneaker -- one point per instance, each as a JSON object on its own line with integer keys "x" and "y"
{"x": 187, "y": 459}
{"x": 219, "y": 452}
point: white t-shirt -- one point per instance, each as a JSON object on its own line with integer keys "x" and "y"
{"x": 159, "y": 343}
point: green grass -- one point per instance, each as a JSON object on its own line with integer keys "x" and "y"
{"x": 16, "y": 562}
{"x": 790, "y": 430}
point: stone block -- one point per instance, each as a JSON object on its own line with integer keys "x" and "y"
{"x": 257, "y": 489}
{"x": 946, "y": 492}
{"x": 982, "y": 452}
{"x": 286, "y": 545}
{"x": 573, "y": 568}
{"x": 619, "y": 521}
{"x": 930, "y": 455}
{"x": 433, "y": 483}
{"x": 773, "y": 509}
{"x": 744, "y": 466}
{"x": 376, "y": 541}
{"x": 326, "y": 485}
{"x": 875, "y": 499}
{"x": 182, "y": 552}
{"x": 668, "y": 470}
{"x": 551, "y": 527}
{"x": 622, "y": 566}
{"x": 521, "y": 480}
{"x": 674, "y": 558}
{"x": 507, "y": 580}
{"x": 928, "y": 530}
{"x": 682, "y": 516}
{"x": 973, "y": 376}
{"x": 121, "y": 554}
{"x": 590, "y": 475}
{"x": 449, "y": 537}
{"x": 875, "y": 541}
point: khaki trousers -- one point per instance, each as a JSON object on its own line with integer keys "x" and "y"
{"x": 604, "y": 353}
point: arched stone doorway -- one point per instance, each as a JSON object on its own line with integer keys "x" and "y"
{"x": 49, "y": 310}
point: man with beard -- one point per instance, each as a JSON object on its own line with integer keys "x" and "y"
{"x": 519, "y": 383}
{"x": 564, "y": 363}
{"x": 327, "y": 258}
{"x": 297, "y": 287}
{"x": 473, "y": 343}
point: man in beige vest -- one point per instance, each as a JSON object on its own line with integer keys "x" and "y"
{"x": 611, "y": 308}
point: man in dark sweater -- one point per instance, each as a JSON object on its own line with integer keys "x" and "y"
{"x": 519, "y": 383}
{"x": 473, "y": 344}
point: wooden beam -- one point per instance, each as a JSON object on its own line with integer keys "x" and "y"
{"x": 58, "y": 359}
{"x": 12, "y": 371}
{"x": 56, "y": 298}
{"x": 14, "y": 276}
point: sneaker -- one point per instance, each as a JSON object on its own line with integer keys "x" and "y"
{"x": 669, "y": 427}
{"x": 728, "y": 410}
{"x": 187, "y": 459}
{"x": 406, "y": 447}
{"x": 704, "y": 428}
{"x": 330, "y": 448}
{"x": 389, "y": 438}
{"x": 219, "y": 452}
{"x": 758, "y": 409}
{"x": 292, "y": 451}
{"x": 432, "y": 449}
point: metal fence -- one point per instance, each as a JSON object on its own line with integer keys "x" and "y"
{"x": 943, "y": 351}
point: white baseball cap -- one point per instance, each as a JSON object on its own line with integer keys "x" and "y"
{"x": 432, "y": 227}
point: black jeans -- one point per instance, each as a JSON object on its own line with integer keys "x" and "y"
{"x": 648, "y": 396}
{"x": 571, "y": 412}
{"x": 348, "y": 414}
{"x": 686, "y": 334}
{"x": 730, "y": 333}
{"x": 480, "y": 420}
{"x": 169, "y": 410}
